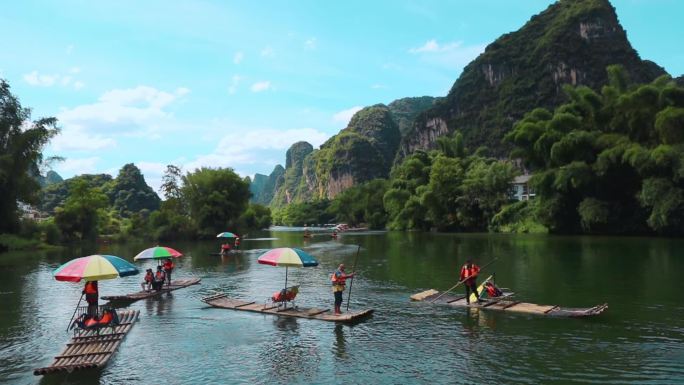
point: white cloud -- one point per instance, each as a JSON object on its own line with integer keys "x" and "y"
{"x": 234, "y": 82}
{"x": 75, "y": 70}
{"x": 76, "y": 166}
{"x": 345, "y": 116}
{"x": 378, "y": 86}
{"x": 139, "y": 112}
{"x": 267, "y": 52}
{"x": 450, "y": 54}
{"x": 310, "y": 43}
{"x": 238, "y": 57}
{"x": 261, "y": 86}
{"x": 69, "y": 49}
{"x": 251, "y": 146}
{"x": 36, "y": 79}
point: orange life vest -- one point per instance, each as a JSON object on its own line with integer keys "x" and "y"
{"x": 106, "y": 318}
{"x": 160, "y": 276}
{"x": 338, "y": 278}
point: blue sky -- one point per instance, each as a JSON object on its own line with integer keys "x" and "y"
{"x": 234, "y": 84}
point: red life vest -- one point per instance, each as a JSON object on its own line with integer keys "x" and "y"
{"x": 160, "y": 276}
{"x": 168, "y": 265}
{"x": 90, "y": 322}
{"x": 149, "y": 277}
{"x": 225, "y": 246}
{"x": 469, "y": 272}
{"x": 90, "y": 287}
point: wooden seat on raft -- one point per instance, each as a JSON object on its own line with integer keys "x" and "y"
{"x": 285, "y": 296}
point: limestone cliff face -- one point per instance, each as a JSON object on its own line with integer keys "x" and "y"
{"x": 404, "y": 111}
{"x": 264, "y": 193}
{"x": 571, "y": 42}
{"x": 288, "y": 186}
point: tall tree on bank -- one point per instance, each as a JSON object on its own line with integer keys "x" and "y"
{"x": 21, "y": 146}
{"x": 609, "y": 162}
{"x": 79, "y": 218}
{"x": 216, "y": 198}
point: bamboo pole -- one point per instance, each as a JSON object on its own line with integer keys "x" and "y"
{"x": 356, "y": 259}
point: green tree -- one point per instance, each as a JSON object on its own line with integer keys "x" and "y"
{"x": 78, "y": 219}
{"x": 129, "y": 193}
{"x": 21, "y": 146}
{"x": 216, "y": 199}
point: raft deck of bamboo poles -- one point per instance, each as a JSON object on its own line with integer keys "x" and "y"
{"x": 175, "y": 285}
{"x": 90, "y": 349}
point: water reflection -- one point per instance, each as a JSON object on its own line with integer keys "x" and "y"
{"x": 339, "y": 345}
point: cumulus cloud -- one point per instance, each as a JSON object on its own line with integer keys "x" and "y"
{"x": 267, "y": 52}
{"x": 252, "y": 145}
{"x": 261, "y": 86}
{"x": 76, "y": 166}
{"x": 35, "y": 78}
{"x": 139, "y": 111}
{"x": 450, "y": 54}
{"x": 42, "y": 80}
{"x": 234, "y": 82}
{"x": 237, "y": 58}
{"x": 345, "y": 116}
{"x": 310, "y": 43}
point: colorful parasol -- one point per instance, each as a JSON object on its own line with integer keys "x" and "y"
{"x": 288, "y": 257}
{"x": 158, "y": 252}
{"x": 94, "y": 268}
{"x": 226, "y": 234}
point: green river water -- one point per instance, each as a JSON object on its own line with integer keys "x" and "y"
{"x": 180, "y": 340}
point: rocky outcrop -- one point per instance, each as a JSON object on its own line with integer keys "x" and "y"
{"x": 571, "y": 42}
{"x": 404, "y": 111}
{"x": 289, "y": 186}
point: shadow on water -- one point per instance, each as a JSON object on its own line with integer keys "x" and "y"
{"x": 81, "y": 377}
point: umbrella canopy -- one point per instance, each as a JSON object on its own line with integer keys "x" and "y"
{"x": 94, "y": 268}
{"x": 226, "y": 234}
{"x": 158, "y": 252}
{"x": 287, "y": 257}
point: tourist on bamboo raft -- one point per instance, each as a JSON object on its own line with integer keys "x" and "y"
{"x": 148, "y": 280}
{"x": 338, "y": 279}
{"x": 168, "y": 268}
{"x": 225, "y": 248}
{"x": 159, "y": 278}
{"x": 91, "y": 295}
{"x": 237, "y": 243}
{"x": 469, "y": 273}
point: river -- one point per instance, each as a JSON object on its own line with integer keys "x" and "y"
{"x": 180, "y": 340}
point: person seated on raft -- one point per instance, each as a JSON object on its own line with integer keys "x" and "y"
{"x": 159, "y": 278}
{"x": 147, "y": 282}
{"x": 237, "y": 243}
{"x": 108, "y": 318}
{"x": 285, "y": 295}
{"x": 225, "y": 248}
{"x": 492, "y": 290}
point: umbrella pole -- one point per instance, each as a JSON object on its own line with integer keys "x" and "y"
{"x": 285, "y": 290}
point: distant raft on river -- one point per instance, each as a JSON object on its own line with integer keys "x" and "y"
{"x": 505, "y": 303}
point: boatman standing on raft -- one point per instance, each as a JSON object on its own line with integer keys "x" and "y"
{"x": 91, "y": 294}
{"x": 338, "y": 279}
{"x": 469, "y": 273}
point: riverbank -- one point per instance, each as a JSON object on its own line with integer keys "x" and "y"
{"x": 11, "y": 242}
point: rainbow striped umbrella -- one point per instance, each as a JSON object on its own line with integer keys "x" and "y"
{"x": 226, "y": 234}
{"x": 288, "y": 257}
{"x": 94, "y": 268}
{"x": 158, "y": 252}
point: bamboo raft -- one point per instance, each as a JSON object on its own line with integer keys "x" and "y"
{"x": 90, "y": 349}
{"x": 224, "y": 302}
{"x": 504, "y": 303}
{"x": 175, "y": 285}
